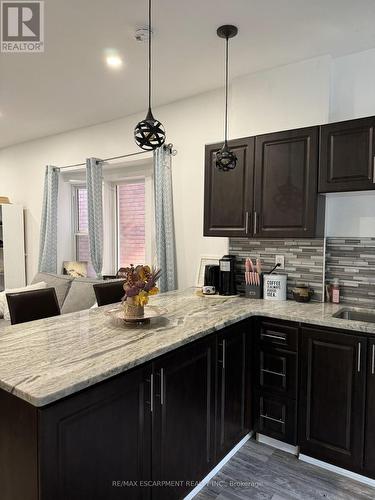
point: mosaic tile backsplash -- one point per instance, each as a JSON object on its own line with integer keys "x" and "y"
{"x": 304, "y": 260}
{"x": 352, "y": 261}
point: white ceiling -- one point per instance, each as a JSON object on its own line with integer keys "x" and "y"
{"x": 69, "y": 85}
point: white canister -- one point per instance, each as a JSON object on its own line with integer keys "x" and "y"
{"x": 274, "y": 286}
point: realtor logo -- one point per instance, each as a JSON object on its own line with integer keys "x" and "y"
{"x": 22, "y": 26}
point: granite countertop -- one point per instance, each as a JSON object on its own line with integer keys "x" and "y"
{"x": 46, "y": 360}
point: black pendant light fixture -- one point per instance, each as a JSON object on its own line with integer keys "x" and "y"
{"x": 225, "y": 158}
{"x": 149, "y": 134}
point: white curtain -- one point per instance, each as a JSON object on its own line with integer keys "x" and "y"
{"x": 94, "y": 183}
{"x": 164, "y": 220}
{"x": 48, "y": 229}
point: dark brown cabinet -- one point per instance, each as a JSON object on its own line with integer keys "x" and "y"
{"x": 286, "y": 203}
{"x": 272, "y": 192}
{"x": 170, "y": 420}
{"x": 276, "y": 379}
{"x": 347, "y": 156}
{"x": 369, "y": 455}
{"x": 228, "y": 198}
{"x": 183, "y": 418}
{"x": 95, "y": 438}
{"x": 233, "y": 420}
{"x": 332, "y": 397}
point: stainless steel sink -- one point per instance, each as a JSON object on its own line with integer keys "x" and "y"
{"x": 355, "y": 315}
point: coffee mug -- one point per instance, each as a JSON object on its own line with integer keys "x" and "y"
{"x": 209, "y": 290}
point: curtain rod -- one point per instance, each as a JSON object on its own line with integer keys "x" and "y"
{"x": 167, "y": 146}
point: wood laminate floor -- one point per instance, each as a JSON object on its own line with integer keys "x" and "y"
{"x": 261, "y": 472}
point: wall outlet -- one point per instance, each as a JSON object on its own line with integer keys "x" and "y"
{"x": 280, "y": 259}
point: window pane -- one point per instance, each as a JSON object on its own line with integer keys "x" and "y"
{"x": 131, "y": 223}
{"x": 83, "y": 252}
{"x": 82, "y": 210}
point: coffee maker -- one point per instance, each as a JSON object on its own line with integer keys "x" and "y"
{"x": 227, "y": 275}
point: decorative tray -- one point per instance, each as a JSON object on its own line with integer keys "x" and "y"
{"x": 151, "y": 312}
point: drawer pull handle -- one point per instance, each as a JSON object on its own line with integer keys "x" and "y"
{"x": 278, "y": 420}
{"x": 273, "y": 373}
{"x": 247, "y": 223}
{"x": 273, "y": 336}
{"x": 255, "y": 222}
{"x": 373, "y": 170}
{"x": 373, "y": 360}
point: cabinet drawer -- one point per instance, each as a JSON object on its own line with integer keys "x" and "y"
{"x": 278, "y": 335}
{"x": 275, "y": 417}
{"x": 277, "y": 372}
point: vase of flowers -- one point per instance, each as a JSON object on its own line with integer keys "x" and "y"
{"x": 140, "y": 283}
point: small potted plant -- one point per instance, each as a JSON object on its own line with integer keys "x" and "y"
{"x": 140, "y": 283}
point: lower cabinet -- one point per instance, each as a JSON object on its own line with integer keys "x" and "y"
{"x": 97, "y": 443}
{"x": 233, "y": 420}
{"x": 183, "y": 419}
{"x": 275, "y": 380}
{"x": 369, "y": 455}
{"x": 148, "y": 434}
{"x": 332, "y": 397}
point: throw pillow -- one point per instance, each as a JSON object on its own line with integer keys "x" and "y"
{"x": 4, "y": 310}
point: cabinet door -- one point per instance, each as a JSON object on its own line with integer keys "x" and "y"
{"x": 369, "y": 460}
{"x": 183, "y": 426}
{"x": 333, "y": 375}
{"x": 286, "y": 176}
{"x": 233, "y": 396}
{"x": 228, "y": 196}
{"x": 93, "y": 439}
{"x": 347, "y": 156}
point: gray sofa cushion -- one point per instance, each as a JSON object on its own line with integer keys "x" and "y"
{"x": 81, "y": 295}
{"x": 3, "y": 323}
{"x": 60, "y": 283}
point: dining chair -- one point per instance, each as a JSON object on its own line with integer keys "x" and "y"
{"x": 32, "y": 305}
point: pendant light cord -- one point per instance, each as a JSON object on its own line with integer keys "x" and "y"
{"x": 226, "y": 90}
{"x": 149, "y": 54}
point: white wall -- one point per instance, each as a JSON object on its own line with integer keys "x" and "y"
{"x": 291, "y": 96}
{"x": 352, "y": 96}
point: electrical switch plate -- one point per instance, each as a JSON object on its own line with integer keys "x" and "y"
{"x": 280, "y": 259}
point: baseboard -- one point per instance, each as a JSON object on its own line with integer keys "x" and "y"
{"x": 275, "y": 443}
{"x": 214, "y": 471}
{"x": 338, "y": 470}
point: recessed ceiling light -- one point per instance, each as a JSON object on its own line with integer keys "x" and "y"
{"x": 114, "y": 61}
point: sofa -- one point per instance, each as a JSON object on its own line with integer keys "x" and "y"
{"x": 73, "y": 294}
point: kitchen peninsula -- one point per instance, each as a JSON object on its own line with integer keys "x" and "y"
{"x": 90, "y": 406}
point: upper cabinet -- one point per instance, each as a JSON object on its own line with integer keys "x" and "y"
{"x": 228, "y": 196}
{"x": 286, "y": 203}
{"x": 272, "y": 192}
{"x": 347, "y": 156}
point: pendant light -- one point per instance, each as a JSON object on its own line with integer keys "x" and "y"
{"x": 149, "y": 134}
{"x": 225, "y": 158}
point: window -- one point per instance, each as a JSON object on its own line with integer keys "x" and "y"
{"x": 131, "y": 223}
{"x": 127, "y": 216}
{"x": 81, "y": 243}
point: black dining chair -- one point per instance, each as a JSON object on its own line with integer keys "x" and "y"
{"x": 109, "y": 293}
{"x": 32, "y": 305}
